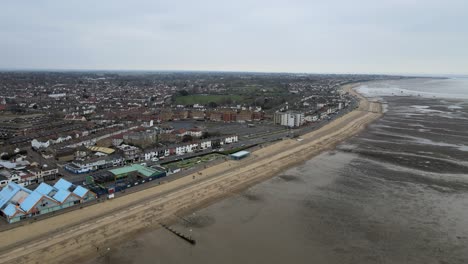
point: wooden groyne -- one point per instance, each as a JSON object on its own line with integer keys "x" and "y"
{"x": 179, "y": 234}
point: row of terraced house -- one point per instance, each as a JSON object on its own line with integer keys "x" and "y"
{"x": 136, "y": 155}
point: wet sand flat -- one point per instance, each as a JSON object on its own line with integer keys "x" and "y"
{"x": 395, "y": 193}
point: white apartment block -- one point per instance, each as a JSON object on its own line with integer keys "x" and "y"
{"x": 289, "y": 119}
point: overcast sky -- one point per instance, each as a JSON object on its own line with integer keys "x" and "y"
{"x": 334, "y": 36}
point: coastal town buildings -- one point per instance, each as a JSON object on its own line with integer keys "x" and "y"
{"x": 289, "y": 119}
{"x": 25, "y": 173}
{"x": 18, "y": 202}
{"x": 74, "y": 125}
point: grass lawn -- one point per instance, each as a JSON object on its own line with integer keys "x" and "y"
{"x": 187, "y": 163}
{"x": 205, "y": 99}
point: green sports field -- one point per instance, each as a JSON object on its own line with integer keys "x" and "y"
{"x": 206, "y": 99}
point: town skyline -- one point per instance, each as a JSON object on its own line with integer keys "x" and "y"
{"x": 143, "y": 71}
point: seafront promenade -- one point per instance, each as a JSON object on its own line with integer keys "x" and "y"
{"x": 80, "y": 233}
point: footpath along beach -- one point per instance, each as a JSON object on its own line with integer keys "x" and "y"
{"x": 74, "y": 236}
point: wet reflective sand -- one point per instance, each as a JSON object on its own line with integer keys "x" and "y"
{"x": 396, "y": 193}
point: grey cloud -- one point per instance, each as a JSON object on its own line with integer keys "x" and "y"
{"x": 391, "y": 36}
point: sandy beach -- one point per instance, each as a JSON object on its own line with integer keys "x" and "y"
{"x": 73, "y": 236}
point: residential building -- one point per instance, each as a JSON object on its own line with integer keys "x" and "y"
{"x": 86, "y": 166}
{"x": 195, "y": 132}
{"x": 216, "y": 116}
{"x": 131, "y": 153}
{"x": 229, "y": 116}
{"x": 75, "y": 118}
{"x": 289, "y": 119}
{"x": 244, "y": 115}
{"x": 197, "y": 114}
{"x": 231, "y": 139}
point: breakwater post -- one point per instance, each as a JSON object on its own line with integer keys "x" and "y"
{"x": 179, "y": 234}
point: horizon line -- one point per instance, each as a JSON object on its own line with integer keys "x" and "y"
{"x": 232, "y": 71}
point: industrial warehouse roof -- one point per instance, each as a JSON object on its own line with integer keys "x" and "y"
{"x": 10, "y": 210}
{"x": 44, "y": 188}
{"x": 30, "y": 201}
{"x": 8, "y": 192}
{"x": 146, "y": 171}
{"x": 14, "y": 194}
{"x": 122, "y": 170}
{"x": 240, "y": 154}
{"x": 80, "y": 191}
{"x": 143, "y": 170}
{"x": 61, "y": 195}
{"x": 62, "y": 184}
{"x": 107, "y": 151}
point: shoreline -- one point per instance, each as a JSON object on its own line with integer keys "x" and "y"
{"x": 81, "y": 233}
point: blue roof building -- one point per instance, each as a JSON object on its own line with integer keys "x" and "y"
{"x": 8, "y": 192}
{"x": 62, "y": 195}
{"x": 63, "y": 184}
{"x": 80, "y": 191}
{"x": 44, "y": 188}
{"x": 10, "y": 210}
{"x": 30, "y": 201}
{"x": 18, "y": 202}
